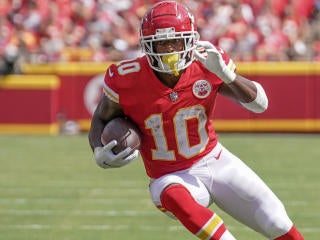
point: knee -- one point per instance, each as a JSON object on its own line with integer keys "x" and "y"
{"x": 274, "y": 222}
{"x": 170, "y": 188}
{"x": 172, "y": 196}
{"x": 177, "y": 200}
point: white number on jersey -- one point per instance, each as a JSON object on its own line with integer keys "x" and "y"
{"x": 155, "y": 124}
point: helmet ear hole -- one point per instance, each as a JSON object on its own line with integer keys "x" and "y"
{"x": 166, "y": 21}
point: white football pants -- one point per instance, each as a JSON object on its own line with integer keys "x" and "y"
{"x": 224, "y": 179}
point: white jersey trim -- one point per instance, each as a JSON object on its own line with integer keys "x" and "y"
{"x": 112, "y": 95}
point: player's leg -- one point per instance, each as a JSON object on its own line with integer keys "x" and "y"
{"x": 241, "y": 193}
{"x": 186, "y": 198}
{"x": 293, "y": 234}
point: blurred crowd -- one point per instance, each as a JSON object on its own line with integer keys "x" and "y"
{"x": 42, "y": 31}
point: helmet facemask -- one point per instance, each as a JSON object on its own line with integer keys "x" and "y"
{"x": 172, "y": 62}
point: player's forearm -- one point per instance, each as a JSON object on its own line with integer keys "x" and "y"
{"x": 95, "y": 131}
{"x": 243, "y": 89}
{"x": 249, "y": 94}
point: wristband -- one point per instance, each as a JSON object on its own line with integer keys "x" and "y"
{"x": 229, "y": 76}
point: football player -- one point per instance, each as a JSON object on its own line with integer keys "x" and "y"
{"x": 170, "y": 94}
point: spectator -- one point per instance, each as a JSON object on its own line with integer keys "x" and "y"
{"x": 39, "y": 31}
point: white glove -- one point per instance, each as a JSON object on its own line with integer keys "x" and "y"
{"x": 105, "y": 158}
{"x": 212, "y": 59}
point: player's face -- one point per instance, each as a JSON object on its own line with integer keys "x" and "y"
{"x": 168, "y": 46}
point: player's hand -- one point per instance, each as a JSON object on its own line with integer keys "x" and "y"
{"x": 105, "y": 158}
{"x": 212, "y": 59}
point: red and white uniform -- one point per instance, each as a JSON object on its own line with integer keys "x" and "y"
{"x": 180, "y": 145}
{"x": 176, "y": 123}
{"x": 180, "y": 148}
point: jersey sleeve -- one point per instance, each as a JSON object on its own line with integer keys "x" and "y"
{"x": 110, "y": 84}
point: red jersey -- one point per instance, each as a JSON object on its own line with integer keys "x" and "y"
{"x": 175, "y": 122}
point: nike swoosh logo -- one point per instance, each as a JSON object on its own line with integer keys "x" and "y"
{"x": 110, "y": 73}
{"x": 218, "y": 156}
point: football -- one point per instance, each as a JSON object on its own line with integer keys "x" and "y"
{"x": 124, "y": 131}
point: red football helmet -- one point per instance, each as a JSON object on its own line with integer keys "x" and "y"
{"x": 165, "y": 21}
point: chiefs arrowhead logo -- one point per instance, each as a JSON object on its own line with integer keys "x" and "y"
{"x": 201, "y": 89}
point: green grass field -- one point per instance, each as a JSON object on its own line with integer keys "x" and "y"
{"x": 50, "y": 188}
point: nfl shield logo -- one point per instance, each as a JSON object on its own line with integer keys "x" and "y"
{"x": 173, "y": 96}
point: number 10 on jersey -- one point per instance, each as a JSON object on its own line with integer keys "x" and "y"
{"x": 162, "y": 152}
